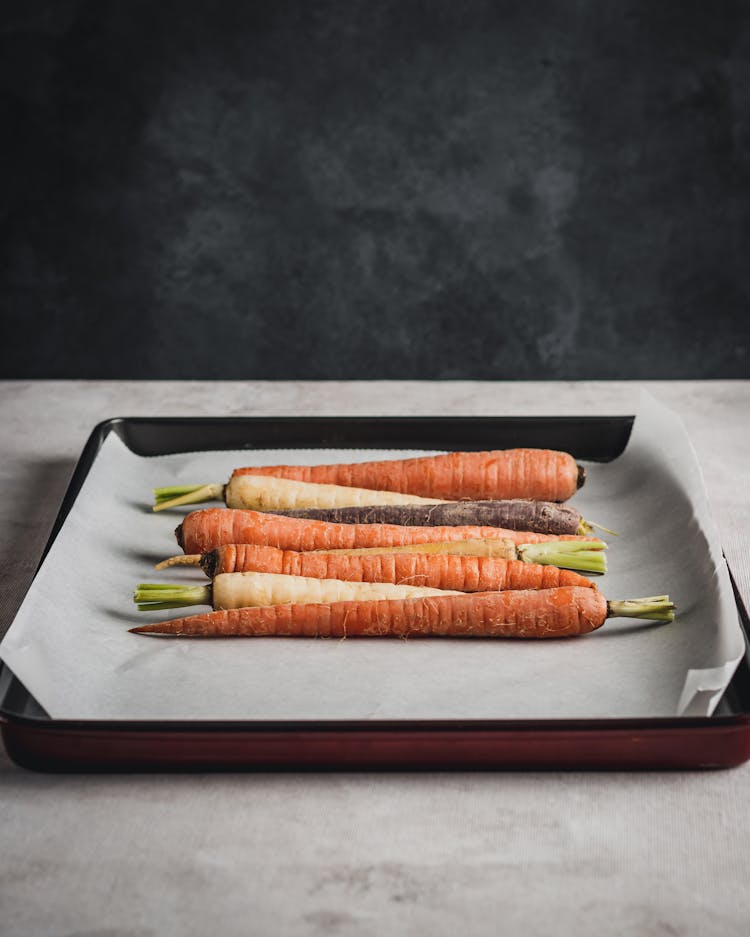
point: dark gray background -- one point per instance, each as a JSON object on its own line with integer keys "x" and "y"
{"x": 375, "y": 189}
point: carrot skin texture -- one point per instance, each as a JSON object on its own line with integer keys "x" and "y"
{"x": 278, "y": 495}
{"x": 544, "y": 517}
{"x": 463, "y": 573}
{"x": 205, "y": 530}
{"x": 548, "y": 613}
{"x": 539, "y": 474}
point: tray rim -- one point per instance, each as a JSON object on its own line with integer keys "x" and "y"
{"x": 18, "y": 728}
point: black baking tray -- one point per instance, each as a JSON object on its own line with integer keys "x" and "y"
{"x": 34, "y": 740}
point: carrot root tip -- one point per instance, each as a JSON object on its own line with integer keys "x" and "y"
{"x": 189, "y": 559}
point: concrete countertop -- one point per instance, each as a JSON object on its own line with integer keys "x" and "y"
{"x": 364, "y": 854}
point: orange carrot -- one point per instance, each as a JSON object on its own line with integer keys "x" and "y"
{"x": 537, "y": 474}
{"x": 547, "y": 613}
{"x": 204, "y": 530}
{"x": 441, "y": 571}
{"x": 525, "y": 614}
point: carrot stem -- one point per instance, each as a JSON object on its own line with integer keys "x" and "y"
{"x": 174, "y": 491}
{"x": 653, "y": 608}
{"x": 152, "y": 596}
{"x": 584, "y": 555}
{"x": 175, "y": 495}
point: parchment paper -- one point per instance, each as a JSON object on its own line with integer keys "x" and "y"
{"x": 70, "y": 646}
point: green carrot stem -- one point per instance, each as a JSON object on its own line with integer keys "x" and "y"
{"x": 172, "y": 497}
{"x": 586, "y": 556}
{"x": 653, "y": 608}
{"x": 151, "y": 596}
{"x": 586, "y": 562}
{"x": 174, "y": 491}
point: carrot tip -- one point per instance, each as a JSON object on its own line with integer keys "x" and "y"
{"x": 146, "y": 629}
{"x": 187, "y": 559}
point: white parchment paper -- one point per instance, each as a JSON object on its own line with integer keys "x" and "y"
{"x": 70, "y": 644}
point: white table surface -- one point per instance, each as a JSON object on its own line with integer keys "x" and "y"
{"x": 364, "y": 854}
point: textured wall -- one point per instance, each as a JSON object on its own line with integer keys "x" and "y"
{"x": 375, "y": 189}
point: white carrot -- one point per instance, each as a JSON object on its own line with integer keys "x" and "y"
{"x": 241, "y": 590}
{"x": 269, "y": 493}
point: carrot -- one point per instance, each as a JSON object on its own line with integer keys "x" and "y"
{"x": 238, "y": 590}
{"x": 586, "y": 555}
{"x": 547, "y": 613}
{"x": 544, "y": 517}
{"x": 535, "y": 474}
{"x": 203, "y": 530}
{"x": 552, "y": 552}
{"x": 440, "y": 571}
{"x": 538, "y": 474}
{"x": 270, "y": 493}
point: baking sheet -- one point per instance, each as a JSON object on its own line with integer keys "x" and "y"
{"x": 70, "y": 646}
